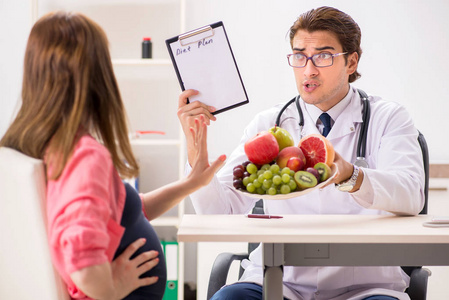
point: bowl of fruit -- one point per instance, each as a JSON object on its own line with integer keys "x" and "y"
{"x": 279, "y": 171}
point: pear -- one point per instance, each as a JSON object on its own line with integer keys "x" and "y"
{"x": 283, "y": 137}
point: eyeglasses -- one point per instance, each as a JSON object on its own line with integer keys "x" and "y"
{"x": 320, "y": 60}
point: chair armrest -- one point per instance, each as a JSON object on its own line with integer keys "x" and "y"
{"x": 418, "y": 284}
{"x": 220, "y": 269}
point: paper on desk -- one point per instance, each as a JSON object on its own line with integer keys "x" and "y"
{"x": 437, "y": 221}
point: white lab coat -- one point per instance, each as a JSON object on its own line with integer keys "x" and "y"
{"x": 393, "y": 183}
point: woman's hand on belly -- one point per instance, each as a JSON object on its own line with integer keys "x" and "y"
{"x": 117, "y": 279}
{"x": 126, "y": 271}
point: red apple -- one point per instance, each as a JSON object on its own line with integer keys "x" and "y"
{"x": 262, "y": 148}
{"x": 295, "y": 163}
{"x": 289, "y": 152}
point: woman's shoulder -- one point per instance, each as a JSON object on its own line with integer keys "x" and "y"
{"x": 89, "y": 145}
{"x": 89, "y": 155}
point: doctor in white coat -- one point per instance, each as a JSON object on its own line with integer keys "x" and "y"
{"x": 325, "y": 54}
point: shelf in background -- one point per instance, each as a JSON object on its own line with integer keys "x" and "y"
{"x": 155, "y": 142}
{"x": 438, "y": 184}
{"x": 141, "y": 62}
{"x": 165, "y": 221}
{"x": 440, "y": 170}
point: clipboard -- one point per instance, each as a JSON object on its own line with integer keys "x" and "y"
{"x": 204, "y": 61}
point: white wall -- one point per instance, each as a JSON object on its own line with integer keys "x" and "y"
{"x": 15, "y": 22}
{"x": 404, "y": 58}
{"x": 404, "y": 44}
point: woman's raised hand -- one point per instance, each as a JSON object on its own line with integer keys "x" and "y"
{"x": 202, "y": 172}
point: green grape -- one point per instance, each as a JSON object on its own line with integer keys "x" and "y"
{"x": 260, "y": 191}
{"x": 285, "y": 189}
{"x": 265, "y": 167}
{"x": 292, "y": 185}
{"x": 292, "y": 173}
{"x": 257, "y": 183}
{"x": 267, "y": 183}
{"x": 260, "y": 172}
{"x": 277, "y": 180}
{"x": 251, "y": 168}
{"x": 274, "y": 168}
{"x": 250, "y": 188}
{"x": 271, "y": 191}
{"x": 267, "y": 174}
{"x": 252, "y": 177}
{"x": 286, "y": 170}
{"x": 245, "y": 181}
{"x": 286, "y": 178}
{"x": 261, "y": 178}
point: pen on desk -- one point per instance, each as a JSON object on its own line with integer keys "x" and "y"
{"x": 257, "y": 216}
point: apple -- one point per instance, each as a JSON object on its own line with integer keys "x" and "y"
{"x": 289, "y": 152}
{"x": 283, "y": 137}
{"x": 295, "y": 163}
{"x": 262, "y": 149}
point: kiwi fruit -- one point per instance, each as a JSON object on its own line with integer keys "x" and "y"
{"x": 323, "y": 170}
{"x": 305, "y": 180}
{"x": 314, "y": 172}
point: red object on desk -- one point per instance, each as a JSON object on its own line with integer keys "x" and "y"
{"x": 257, "y": 216}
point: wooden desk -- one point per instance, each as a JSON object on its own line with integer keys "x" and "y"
{"x": 325, "y": 240}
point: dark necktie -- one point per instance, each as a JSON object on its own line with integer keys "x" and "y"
{"x": 326, "y": 120}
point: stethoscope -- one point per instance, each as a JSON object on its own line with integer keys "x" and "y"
{"x": 360, "y": 161}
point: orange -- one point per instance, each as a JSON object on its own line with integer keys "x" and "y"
{"x": 317, "y": 148}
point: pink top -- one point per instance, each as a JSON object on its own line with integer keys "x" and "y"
{"x": 84, "y": 209}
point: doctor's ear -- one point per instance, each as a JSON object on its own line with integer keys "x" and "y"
{"x": 353, "y": 61}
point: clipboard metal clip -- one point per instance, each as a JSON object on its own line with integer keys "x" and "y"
{"x": 200, "y": 33}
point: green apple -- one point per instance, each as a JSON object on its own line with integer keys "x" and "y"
{"x": 283, "y": 137}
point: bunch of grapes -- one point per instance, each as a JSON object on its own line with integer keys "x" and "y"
{"x": 267, "y": 179}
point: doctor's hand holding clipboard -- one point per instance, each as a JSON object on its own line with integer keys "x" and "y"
{"x": 208, "y": 75}
{"x": 187, "y": 113}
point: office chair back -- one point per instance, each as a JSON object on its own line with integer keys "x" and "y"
{"x": 425, "y": 158}
{"x": 25, "y": 264}
{"x": 416, "y": 273}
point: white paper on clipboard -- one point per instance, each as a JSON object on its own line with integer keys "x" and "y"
{"x": 204, "y": 61}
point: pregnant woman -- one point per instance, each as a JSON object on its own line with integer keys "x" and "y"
{"x": 72, "y": 117}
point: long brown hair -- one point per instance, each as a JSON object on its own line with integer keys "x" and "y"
{"x": 69, "y": 88}
{"x": 333, "y": 20}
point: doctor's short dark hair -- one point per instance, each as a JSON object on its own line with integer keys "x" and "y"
{"x": 333, "y": 20}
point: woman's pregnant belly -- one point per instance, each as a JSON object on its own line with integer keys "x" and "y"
{"x": 136, "y": 227}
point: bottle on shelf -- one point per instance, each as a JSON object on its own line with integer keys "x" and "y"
{"x": 147, "y": 48}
